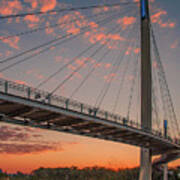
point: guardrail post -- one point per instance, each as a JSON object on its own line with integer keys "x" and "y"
{"x": 90, "y": 111}
{"x": 124, "y": 121}
{"x": 67, "y": 103}
{"x": 95, "y": 111}
{"x": 49, "y": 98}
{"x": 81, "y": 108}
{"x": 29, "y": 92}
{"x": 6, "y": 87}
{"x": 106, "y": 115}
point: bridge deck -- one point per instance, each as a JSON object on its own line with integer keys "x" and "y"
{"x": 25, "y": 106}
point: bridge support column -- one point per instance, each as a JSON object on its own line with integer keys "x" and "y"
{"x": 146, "y": 89}
{"x": 165, "y": 173}
{"x": 146, "y": 165}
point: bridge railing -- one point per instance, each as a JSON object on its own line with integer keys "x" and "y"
{"x": 24, "y": 91}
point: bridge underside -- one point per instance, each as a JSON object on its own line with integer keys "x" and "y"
{"x": 23, "y": 111}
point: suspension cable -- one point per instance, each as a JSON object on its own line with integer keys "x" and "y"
{"x": 63, "y": 67}
{"x": 133, "y": 86}
{"x": 48, "y": 48}
{"x": 155, "y": 107}
{"x": 50, "y": 42}
{"x": 92, "y": 55}
{"x": 52, "y": 26}
{"x": 165, "y": 92}
{"x": 65, "y": 9}
{"x": 105, "y": 89}
{"x": 92, "y": 70}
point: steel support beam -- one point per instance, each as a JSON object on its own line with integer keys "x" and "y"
{"x": 146, "y": 89}
{"x": 165, "y": 172}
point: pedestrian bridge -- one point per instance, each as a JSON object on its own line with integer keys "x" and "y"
{"x": 24, "y": 105}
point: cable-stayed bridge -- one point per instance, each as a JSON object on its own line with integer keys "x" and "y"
{"x": 157, "y": 133}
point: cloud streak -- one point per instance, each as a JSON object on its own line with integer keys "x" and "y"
{"x": 18, "y": 140}
{"x": 12, "y": 42}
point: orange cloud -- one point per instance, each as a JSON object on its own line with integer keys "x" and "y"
{"x": 107, "y": 65}
{"x": 154, "y": 64}
{"x": 35, "y": 73}
{"x": 8, "y": 53}
{"x": 128, "y": 51}
{"x": 73, "y": 30}
{"x": 72, "y": 23}
{"x": 137, "y": 50}
{"x": 98, "y": 10}
{"x": 157, "y": 18}
{"x": 126, "y": 21}
{"x": 49, "y": 30}
{"x": 21, "y": 82}
{"x": 93, "y": 25}
{"x": 110, "y": 77}
{"x": 16, "y": 135}
{"x": 137, "y": 1}
{"x": 47, "y": 5}
{"x": 10, "y": 7}
{"x": 80, "y": 62}
{"x": 33, "y": 3}
{"x": 13, "y": 42}
{"x": 32, "y": 18}
{"x": 174, "y": 45}
{"x": 1, "y": 75}
{"x": 74, "y": 74}
{"x": 103, "y": 38}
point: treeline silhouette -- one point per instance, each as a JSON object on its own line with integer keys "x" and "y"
{"x": 93, "y": 173}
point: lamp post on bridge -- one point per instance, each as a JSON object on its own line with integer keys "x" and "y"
{"x": 146, "y": 89}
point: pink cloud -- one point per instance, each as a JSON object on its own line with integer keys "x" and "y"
{"x": 126, "y": 21}
{"x": 154, "y": 64}
{"x": 72, "y": 23}
{"x": 174, "y": 44}
{"x": 35, "y": 73}
{"x": 157, "y": 18}
{"x": 12, "y": 42}
{"x": 18, "y": 140}
{"x": 8, "y": 53}
{"x": 110, "y": 77}
{"x": 49, "y": 30}
{"x": 102, "y": 37}
{"x": 98, "y": 10}
{"x": 107, "y": 65}
{"x": 80, "y": 62}
{"x": 73, "y": 30}
{"x": 1, "y": 75}
{"x": 24, "y": 148}
{"x": 130, "y": 77}
{"x": 137, "y": 1}
{"x": 21, "y": 82}
{"x": 137, "y": 50}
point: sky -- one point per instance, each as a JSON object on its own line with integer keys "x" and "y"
{"x": 116, "y": 31}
